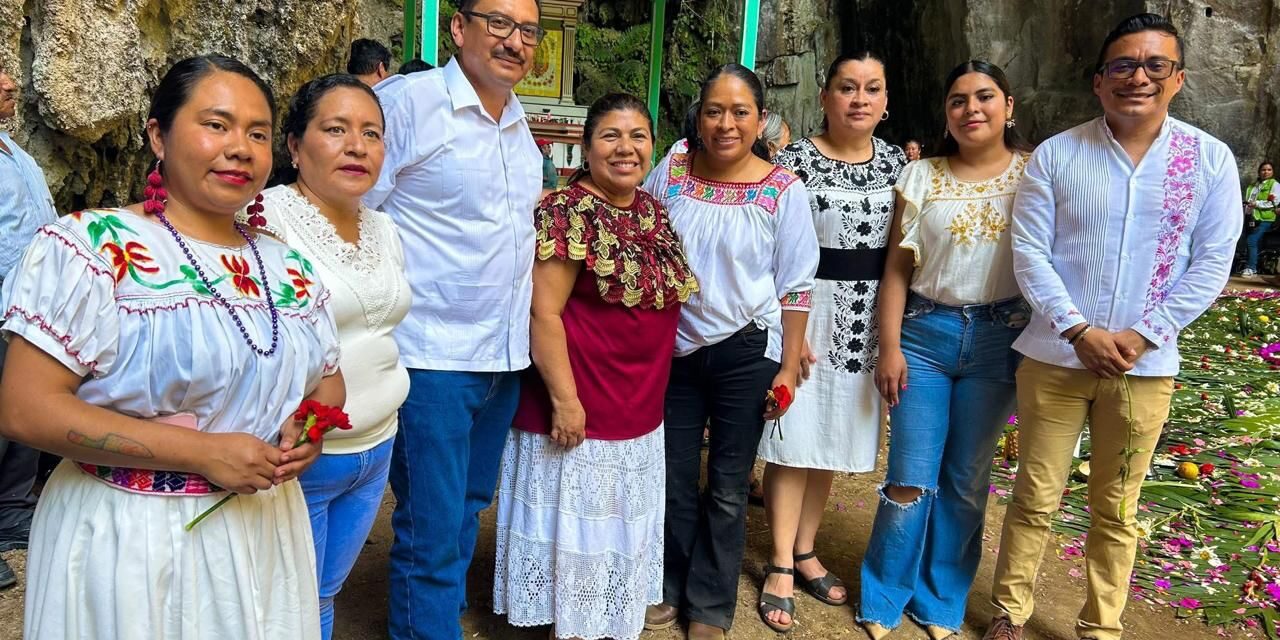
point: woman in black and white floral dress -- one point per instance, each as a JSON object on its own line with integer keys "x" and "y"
{"x": 834, "y": 424}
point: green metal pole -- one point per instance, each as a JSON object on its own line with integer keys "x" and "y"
{"x": 656, "y": 31}
{"x": 431, "y": 31}
{"x": 410, "y": 26}
{"x": 750, "y": 29}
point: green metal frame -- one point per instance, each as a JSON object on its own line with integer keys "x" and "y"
{"x": 750, "y": 31}
{"x": 657, "y": 30}
{"x": 426, "y": 43}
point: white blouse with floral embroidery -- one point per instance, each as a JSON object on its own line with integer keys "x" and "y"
{"x": 960, "y": 232}
{"x": 751, "y": 246}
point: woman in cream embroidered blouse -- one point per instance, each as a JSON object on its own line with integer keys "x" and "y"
{"x": 949, "y": 313}
{"x": 334, "y": 130}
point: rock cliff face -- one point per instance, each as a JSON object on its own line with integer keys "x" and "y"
{"x": 86, "y": 67}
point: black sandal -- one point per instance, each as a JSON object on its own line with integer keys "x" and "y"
{"x": 818, "y": 588}
{"x": 770, "y": 603}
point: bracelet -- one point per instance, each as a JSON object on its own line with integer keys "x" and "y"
{"x": 1079, "y": 335}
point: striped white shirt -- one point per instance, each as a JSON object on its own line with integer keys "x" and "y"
{"x": 1099, "y": 240}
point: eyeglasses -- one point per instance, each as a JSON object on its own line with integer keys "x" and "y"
{"x": 502, "y": 26}
{"x": 1124, "y": 68}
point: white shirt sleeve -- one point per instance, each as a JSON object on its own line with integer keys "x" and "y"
{"x": 406, "y": 135}
{"x": 795, "y": 249}
{"x": 1034, "y": 219}
{"x": 1213, "y": 241}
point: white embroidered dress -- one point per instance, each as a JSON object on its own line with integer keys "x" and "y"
{"x": 836, "y": 414}
{"x": 110, "y": 295}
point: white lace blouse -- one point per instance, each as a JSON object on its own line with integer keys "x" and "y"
{"x": 370, "y": 296}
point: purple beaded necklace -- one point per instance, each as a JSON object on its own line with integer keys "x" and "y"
{"x": 253, "y": 246}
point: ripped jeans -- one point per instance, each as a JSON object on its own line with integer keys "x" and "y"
{"x": 960, "y": 393}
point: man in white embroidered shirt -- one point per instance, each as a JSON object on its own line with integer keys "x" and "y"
{"x": 1123, "y": 233}
{"x": 461, "y": 178}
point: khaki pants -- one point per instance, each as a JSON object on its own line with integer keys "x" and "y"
{"x": 1053, "y": 404}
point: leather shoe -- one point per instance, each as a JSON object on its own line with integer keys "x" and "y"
{"x": 660, "y": 616}
{"x": 7, "y": 578}
{"x": 700, "y": 631}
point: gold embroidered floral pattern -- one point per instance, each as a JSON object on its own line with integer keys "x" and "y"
{"x": 635, "y": 255}
{"x": 978, "y": 222}
{"x": 944, "y": 185}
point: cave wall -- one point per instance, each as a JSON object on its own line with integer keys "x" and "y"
{"x": 86, "y": 67}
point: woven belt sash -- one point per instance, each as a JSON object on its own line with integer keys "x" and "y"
{"x": 173, "y": 483}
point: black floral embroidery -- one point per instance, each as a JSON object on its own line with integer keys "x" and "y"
{"x": 853, "y": 209}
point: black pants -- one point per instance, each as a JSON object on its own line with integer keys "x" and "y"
{"x": 18, "y": 466}
{"x": 705, "y": 534}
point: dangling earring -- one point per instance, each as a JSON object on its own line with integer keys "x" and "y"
{"x": 154, "y": 193}
{"x": 1009, "y": 122}
{"x": 256, "y": 219}
{"x": 885, "y": 115}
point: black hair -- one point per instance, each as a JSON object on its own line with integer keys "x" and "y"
{"x": 1013, "y": 139}
{"x": 834, "y": 69}
{"x": 366, "y": 55}
{"x": 1266, "y": 163}
{"x": 302, "y": 110}
{"x": 599, "y": 109}
{"x": 1137, "y": 24}
{"x": 415, "y": 65}
{"x": 470, "y": 5}
{"x": 733, "y": 69}
{"x": 689, "y": 128}
{"x": 175, "y": 87}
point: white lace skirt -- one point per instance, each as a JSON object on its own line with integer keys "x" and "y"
{"x": 107, "y": 563}
{"x": 580, "y": 534}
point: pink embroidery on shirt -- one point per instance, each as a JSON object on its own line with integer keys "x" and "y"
{"x": 797, "y": 301}
{"x": 1179, "y": 196}
{"x": 765, "y": 194}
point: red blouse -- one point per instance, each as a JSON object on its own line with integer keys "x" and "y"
{"x": 620, "y": 319}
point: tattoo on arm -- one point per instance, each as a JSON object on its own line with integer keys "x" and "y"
{"x": 111, "y": 443}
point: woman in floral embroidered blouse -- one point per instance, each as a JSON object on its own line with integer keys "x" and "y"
{"x": 748, "y": 230}
{"x": 949, "y": 312}
{"x": 334, "y": 135}
{"x": 580, "y": 500}
{"x": 163, "y": 353}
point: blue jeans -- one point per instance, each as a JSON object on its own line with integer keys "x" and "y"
{"x": 443, "y": 471}
{"x": 343, "y": 492}
{"x": 960, "y": 391}
{"x": 1252, "y": 242}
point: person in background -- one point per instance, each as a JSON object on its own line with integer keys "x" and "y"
{"x": 747, "y": 231}
{"x": 156, "y": 427}
{"x": 25, "y": 205}
{"x": 1260, "y": 209}
{"x": 415, "y": 65}
{"x": 777, "y": 133}
{"x": 333, "y": 133}
{"x": 912, "y": 149}
{"x": 550, "y": 175}
{"x": 1123, "y": 233}
{"x": 834, "y": 424}
{"x": 370, "y": 61}
{"x": 461, "y": 178}
{"x": 607, "y": 289}
{"x": 949, "y": 312}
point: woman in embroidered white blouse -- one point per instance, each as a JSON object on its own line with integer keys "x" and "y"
{"x": 334, "y": 129}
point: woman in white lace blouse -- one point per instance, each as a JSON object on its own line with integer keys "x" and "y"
{"x": 334, "y": 129}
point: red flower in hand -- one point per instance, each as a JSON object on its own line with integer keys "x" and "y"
{"x": 781, "y": 397}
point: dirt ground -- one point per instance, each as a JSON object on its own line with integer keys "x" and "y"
{"x": 361, "y": 607}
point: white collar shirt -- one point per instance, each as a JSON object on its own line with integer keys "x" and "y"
{"x": 461, "y": 187}
{"x": 25, "y": 202}
{"x": 1097, "y": 239}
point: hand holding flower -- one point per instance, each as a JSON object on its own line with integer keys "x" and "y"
{"x": 238, "y": 462}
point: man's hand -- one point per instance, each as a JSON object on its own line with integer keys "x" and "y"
{"x": 1099, "y": 351}
{"x": 1131, "y": 344}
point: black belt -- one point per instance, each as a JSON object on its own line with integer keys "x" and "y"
{"x": 851, "y": 264}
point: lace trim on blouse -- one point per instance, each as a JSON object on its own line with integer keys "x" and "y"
{"x": 635, "y": 254}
